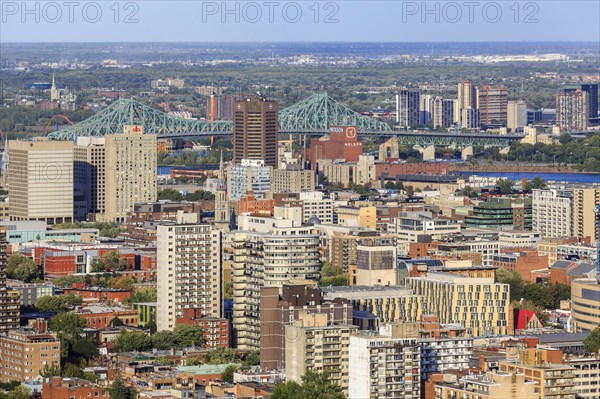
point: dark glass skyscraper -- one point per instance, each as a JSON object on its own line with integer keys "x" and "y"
{"x": 255, "y": 131}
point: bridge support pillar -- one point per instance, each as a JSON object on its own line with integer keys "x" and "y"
{"x": 429, "y": 153}
{"x": 466, "y": 153}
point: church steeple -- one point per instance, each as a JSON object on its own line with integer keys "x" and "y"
{"x": 54, "y": 92}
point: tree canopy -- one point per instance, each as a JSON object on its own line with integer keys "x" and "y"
{"x": 591, "y": 343}
{"x": 22, "y": 268}
{"x": 57, "y": 303}
{"x": 314, "y": 385}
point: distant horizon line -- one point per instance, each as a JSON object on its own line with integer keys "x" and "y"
{"x": 303, "y": 42}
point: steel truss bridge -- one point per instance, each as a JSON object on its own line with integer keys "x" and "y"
{"x": 310, "y": 117}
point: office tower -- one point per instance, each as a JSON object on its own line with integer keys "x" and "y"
{"x": 552, "y": 214}
{"x": 130, "y": 171}
{"x": 425, "y": 109}
{"x": 480, "y": 305}
{"x": 467, "y": 95}
{"x": 9, "y": 299}
{"x": 516, "y": 115}
{"x": 281, "y": 306}
{"x": 26, "y": 351}
{"x": 592, "y": 92}
{"x": 312, "y": 343}
{"x": 469, "y": 118}
{"x": 407, "y": 108}
{"x": 188, "y": 263}
{"x": 89, "y": 173}
{"x": 385, "y": 365}
{"x": 255, "y": 131}
{"x": 443, "y": 112}
{"x": 248, "y": 176}
{"x": 572, "y": 110}
{"x": 267, "y": 252}
{"x": 40, "y": 180}
{"x": 585, "y": 305}
{"x": 492, "y": 103}
{"x": 585, "y": 201}
{"x": 501, "y": 211}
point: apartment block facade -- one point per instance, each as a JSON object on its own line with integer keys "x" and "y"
{"x": 188, "y": 272}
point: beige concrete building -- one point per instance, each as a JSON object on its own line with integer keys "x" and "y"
{"x": 40, "y": 180}
{"x": 292, "y": 181}
{"x": 491, "y": 385}
{"x": 348, "y": 173}
{"x": 388, "y": 303}
{"x": 587, "y": 376}
{"x": 267, "y": 252}
{"x": 130, "y": 171}
{"x": 375, "y": 263}
{"x": 551, "y": 380}
{"x": 552, "y": 213}
{"x": 26, "y": 351}
{"x": 549, "y": 247}
{"x": 478, "y": 304}
{"x": 517, "y": 115}
{"x": 385, "y": 365}
{"x": 408, "y": 226}
{"x": 188, "y": 270}
{"x": 585, "y": 301}
{"x": 311, "y": 343}
{"x": 584, "y": 204}
{"x": 360, "y": 215}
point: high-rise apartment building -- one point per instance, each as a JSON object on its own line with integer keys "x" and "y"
{"x": 465, "y": 110}
{"x": 40, "y": 180}
{"x": 248, "y": 175}
{"x": 188, "y": 271}
{"x": 572, "y": 110}
{"x": 467, "y": 95}
{"x": 9, "y": 299}
{"x": 281, "y": 306}
{"x": 592, "y": 93}
{"x": 469, "y": 117}
{"x": 585, "y": 201}
{"x": 480, "y": 305}
{"x": 552, "y": 214}
{"x": 516, "y": 115}
{"x": 26, "y": 351}
{"x": 255, "y": 131}
{"x": 407, "y": 108}
{"x": 425, "y": 109}
{"x": 385, "y": 365}
{"x": 130, "y": 171}
{"x": 443, "y": 112}
{"x": 267, "y": 252}
{"x": 493, "y": 105}
{"x": 312, "y": 343}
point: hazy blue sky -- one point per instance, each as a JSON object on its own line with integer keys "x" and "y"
{"x": 358, "y": 20}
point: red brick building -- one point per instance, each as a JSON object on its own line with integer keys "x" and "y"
{"x": 522, "y": 262}
{"x": 99, "y": 294}
{"x": 249, "y": 204}
{"x": 72, "y": 388}
{"x": 99, "y": 317}
{"x": 394, "y": 169}
{"x": 216, "y": 330}
{"x": 342, "y": 144}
